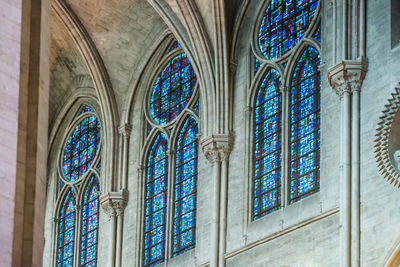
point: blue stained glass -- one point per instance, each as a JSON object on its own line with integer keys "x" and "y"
{"x": 175, "y": 45}
{"x": 172, "y": 90}
{"x": 66, "y": 228}
{"x": 90, "y": 223}
{"x": 305, "y": 126}
{"x": 257, "y": 65}
{"x": 85, "y": 109}
{"x": 283, "y": 25}
{"x": 81, "y": 148}
{"x": 156, "y": 202}
{"x": 186, "y": 188}
{"x": 197, "y": 106}
{"x": 317, "y": 34}
{"x": 267, "y": 145}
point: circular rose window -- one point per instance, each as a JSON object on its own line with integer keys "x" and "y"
{"x": 81, "y": 148}
{"x": 172, "y": 89}
{"x": 283, "y": 25}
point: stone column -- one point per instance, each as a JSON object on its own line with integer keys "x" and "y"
{"x": 216, "y": 149}
{"x": 113, "y": 204}
{"x": 346, "y": 80}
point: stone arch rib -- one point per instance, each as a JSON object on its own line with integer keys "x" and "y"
{"x": 100, "y": 78}
{"x": 381, "y": 146}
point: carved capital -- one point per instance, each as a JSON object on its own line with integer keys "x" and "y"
{"x": 114, "y": 203}
{"x": 348, "y": 76}
{"x": 217, "y": 148}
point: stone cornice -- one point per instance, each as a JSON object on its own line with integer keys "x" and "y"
{"x": 114, "y": 203}
{"x": 348, "y": 75}
{"x": 217, "y": 147}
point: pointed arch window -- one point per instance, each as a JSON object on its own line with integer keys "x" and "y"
{"x": 268, "y": 142}
{"x": 286, "y": 105}
{"x": 171, "y": 160}
{"x": 305, "y": 126}
{"x": 186, "y": 187}
{"x": 66, "y": 231}
{"x": 78, "y": 198}
{"x": 90, "y": 223}
{"x": 156, "y": 202}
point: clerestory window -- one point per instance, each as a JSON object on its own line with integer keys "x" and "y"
{"x": 77, "y": 215}
{"x": 286, "y": 105}
{"x": 171, "y": 159}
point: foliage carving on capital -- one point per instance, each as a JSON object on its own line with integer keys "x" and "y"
{"x": 114, "y": 203}
{"x": 348, "y": 76}
{"x": 217, "y": 148}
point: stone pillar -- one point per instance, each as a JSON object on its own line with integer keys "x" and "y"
{"x": 346, "y": 79}
{"x": 113, "y": 204}
{"x": 216, "y": 149}
{"x": 24, "y": 76}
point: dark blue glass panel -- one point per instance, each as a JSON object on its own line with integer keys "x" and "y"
{"x": 186, "y": 188}
{"x": 90, "y": 223}
{"x": 267, "y": 146}
{"x": 156, "y": 202}
{"x": 148, "y": 128}
{"x": 257, "y": 65}
{"x": 172, "y": 90}
{"x": 283, "y": 25}
{"x": 99, "y": 165}
{"x": 305, "y": 126}
{"x": 317, "y": 34}
{"x": 175, "y": 45}
{"x": 197, "y": 107}
{"x": 85, "y": 109}
{"x": 81, "y": 148}
{"x": 66, "y": 231}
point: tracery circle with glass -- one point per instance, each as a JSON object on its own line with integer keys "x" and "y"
{"x": 172, "y": 89}
{"x": 81, "y": 148}
{"x": 283, "y": 25}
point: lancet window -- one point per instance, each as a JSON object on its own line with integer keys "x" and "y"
{"x": 286, "y": 105}
{"x": 171, "y": 160}
{"x": 77, "y": 216}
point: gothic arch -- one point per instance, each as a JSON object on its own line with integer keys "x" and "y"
{"x": 101, "y": 82}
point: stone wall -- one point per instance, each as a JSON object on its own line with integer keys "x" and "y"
{"x": 306, "y": 233}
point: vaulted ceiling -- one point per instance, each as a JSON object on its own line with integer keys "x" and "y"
{"x": 124, "y": 33}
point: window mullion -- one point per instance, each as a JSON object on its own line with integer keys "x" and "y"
{"x": 170, "y": 204}
{"x": 78, "y": 224}
{"x": 285, "y": 165}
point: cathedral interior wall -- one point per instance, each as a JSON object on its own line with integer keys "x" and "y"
{"x": 306, "y": 233}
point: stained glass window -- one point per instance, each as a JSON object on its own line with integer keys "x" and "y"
{"x": 156, "y": 202}
{"x": 257, "y": 64}
{"x": 81, "y": 148}
{"x": 175, "y": 45}
{"x": 149, "y": 128}
{"x": 317, "y": 34}
{"x": 90, "y": 223}
{"x": 172, "y": 90}
{"x": 66, "y": 231}
{"x": 197, "y": 107}
{"x": 283, "y": 25}
{"x": 267, "y": 142}
{"x": 85, "y": 109}
{"x": 185, "y": 188}
{"x": 305, "y": 126}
